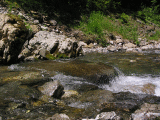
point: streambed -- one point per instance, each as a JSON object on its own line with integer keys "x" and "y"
{"x": 97, "y": 78}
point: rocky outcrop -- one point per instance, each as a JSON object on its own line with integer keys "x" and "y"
{"x": 13, "y": 34}
{"x": 49, "y": 45}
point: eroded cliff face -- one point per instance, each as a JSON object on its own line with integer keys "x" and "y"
{"x": 13, "y": 34}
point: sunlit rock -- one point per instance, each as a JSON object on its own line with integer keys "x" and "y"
{"x": 13, "y": 35}
{"x": 70, "y": 93}
{"x": 53, "y": 88}
{"x": 59, "y": 117}
{"x": 107, "y": 116}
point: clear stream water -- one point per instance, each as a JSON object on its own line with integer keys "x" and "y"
{"x": 135, "y": 70}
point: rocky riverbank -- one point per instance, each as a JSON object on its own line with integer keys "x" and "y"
{"x": 29, "y": 93}
{"x": 26, "y": 38}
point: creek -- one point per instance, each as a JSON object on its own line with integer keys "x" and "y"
{"x": 137, "y": 73}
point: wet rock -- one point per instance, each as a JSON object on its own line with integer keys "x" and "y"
{"x": 14, "y": 92}
{"x": 59, "y": 117}
{"x": 107, "y": 116}
{"x": 146, "y": 107}
{"x": 123, "y": 102}
{"x": 25, "y": 77}
{"x": 97, "y": 97}
{"x": 46, "y": 98}
{"x": 98, "y": 73}
{"x": 149, "y": 88}
{"x": 119, "y": 106}
{"x": 53, "y": 88}
{"x": 86, "y": 87}
{"x": 70, "y": 93}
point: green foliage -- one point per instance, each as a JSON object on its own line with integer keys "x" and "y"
{"x": 155, "y": 36}
{"x": 50, "y": 57}
{"x": 94, "y": 25}
{"x": 98, "y": 23}
{"x": 102, "y": 5}
{"x": 28, "y": 26}
{"x": 150, "y": 14}
{"x": 61, "y": 55}
{"x": 124, "y": 18}
{"x": 25, "y": 4}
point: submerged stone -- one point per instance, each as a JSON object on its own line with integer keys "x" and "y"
{"x": 25, "y": 77}
{"x": 14, "y": 92}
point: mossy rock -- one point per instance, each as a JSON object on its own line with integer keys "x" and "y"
{"x": 25, "y": 77}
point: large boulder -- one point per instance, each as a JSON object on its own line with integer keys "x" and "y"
{"x": 50, "y": 45}
{"x": 13, "y": 34}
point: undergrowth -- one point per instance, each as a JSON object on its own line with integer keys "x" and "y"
{"x": 97, "y": 24}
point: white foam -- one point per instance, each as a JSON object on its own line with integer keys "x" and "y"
{"x": 69, "y": 82}
{"x": 133, "y": 84}
{"x": 15, "y": 67}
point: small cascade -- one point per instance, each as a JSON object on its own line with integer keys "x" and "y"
{"x": 140, "y": 84}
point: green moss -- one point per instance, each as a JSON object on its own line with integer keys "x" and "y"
{"x": 36, "y": 59}
{"x": 50, "y": 56}
{"x": 61, "y": 55}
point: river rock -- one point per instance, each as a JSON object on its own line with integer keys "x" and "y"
{"x": 107, "y": 116}
{"x": 70, "y": 93}
{"x": 25, "y": 77}
{"x": 149, "y": 88}
{"x": 13, "y": 35}
{"x": 112, "y": 48}
{"x": 129, "y": 45}
{"x": 15, "y": 92}
{"x": 98, "y": 73}
{"x": 59, "y": 117}
{"x": 145, "y": 116}
{"x": 53, "y": 88}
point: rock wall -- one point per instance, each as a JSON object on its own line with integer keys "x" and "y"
{"x": 50, "y": 45}
{"x": 13, "y": 34}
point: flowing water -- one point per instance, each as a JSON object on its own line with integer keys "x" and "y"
{"x": 134, "y": 70}
{"x": 137, "y": 73}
